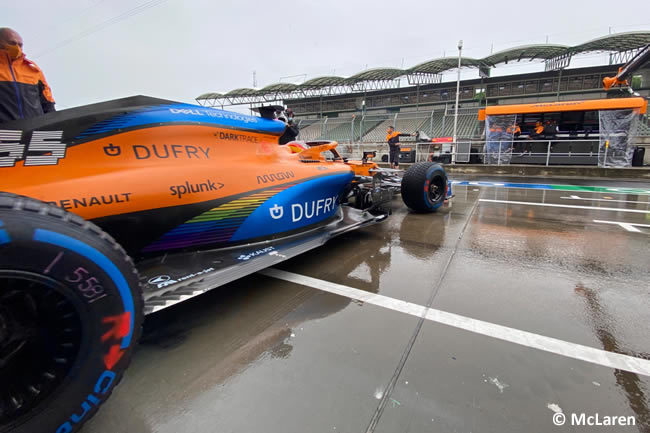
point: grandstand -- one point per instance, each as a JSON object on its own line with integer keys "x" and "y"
{"x": 375, "y": 127}
{"x": 310, "y": 129}
{"x": 360, "y": 108}
{"x": 372, "y": 127}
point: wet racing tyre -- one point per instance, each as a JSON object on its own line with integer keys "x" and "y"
{"x": 70, "y": 315}
{"x": 424, "y": 187}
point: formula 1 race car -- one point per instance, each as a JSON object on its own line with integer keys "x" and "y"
{"x": 191, "y": 197}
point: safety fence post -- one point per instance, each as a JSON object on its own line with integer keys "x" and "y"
{"x": 442, "y": 132}
{"x": 363, "y": 118}
{"x": 499, "y": 154}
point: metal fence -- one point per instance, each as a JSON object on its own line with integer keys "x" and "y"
{"x": 534, "y": 152}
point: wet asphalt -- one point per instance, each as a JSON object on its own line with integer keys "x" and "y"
{"x": 266, "y": 355}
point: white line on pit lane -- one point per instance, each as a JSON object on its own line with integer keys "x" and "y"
{"x": 523, "y": 338}
{"x": 630, "y": 227}
{"x": 529, "y": 203}
{"x": 575, "y": 197}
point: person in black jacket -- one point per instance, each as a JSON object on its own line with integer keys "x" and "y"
{"x": 291, "y": 131}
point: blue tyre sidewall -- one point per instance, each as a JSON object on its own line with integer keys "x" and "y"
{"x": 431, "y": 172}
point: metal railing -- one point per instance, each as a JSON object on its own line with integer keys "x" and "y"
{"x": 502, "y": 153}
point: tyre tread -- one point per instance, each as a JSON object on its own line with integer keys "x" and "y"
{"x": 412, "y": 184}
{"x": 20, "y": 203}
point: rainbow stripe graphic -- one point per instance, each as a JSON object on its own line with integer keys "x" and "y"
{"x": 216, "y": 225}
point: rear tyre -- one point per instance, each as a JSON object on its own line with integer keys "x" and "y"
{"x": 70, "y": 315}
{"x": 424, "y": 187}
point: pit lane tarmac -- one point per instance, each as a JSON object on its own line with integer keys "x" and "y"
{"x": 496, "y": 314}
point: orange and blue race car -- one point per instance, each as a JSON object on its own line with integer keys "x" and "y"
{"x": 112, "y": 211}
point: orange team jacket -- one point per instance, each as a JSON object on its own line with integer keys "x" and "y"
{"x": 24, "y": 93}
{"x": 393, "y": 138}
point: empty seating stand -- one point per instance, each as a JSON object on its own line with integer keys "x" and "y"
{"x": 310, "y": 130}
{"x": 372, "y": 128}
{"x": 339, "y": 129}
{"x": 378, "y": 133}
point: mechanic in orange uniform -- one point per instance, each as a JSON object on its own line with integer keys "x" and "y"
{"x": 392, "y": 137}
{"x": 517, "y": 130}
{"x": 537, "y": 131}
{"x": 24, "y": 93}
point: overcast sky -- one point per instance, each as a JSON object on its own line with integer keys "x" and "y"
{"x": 95, "y": 50}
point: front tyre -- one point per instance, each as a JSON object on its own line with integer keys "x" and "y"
{"x": 70, "y": 315}
{"x": 424, "y": 187}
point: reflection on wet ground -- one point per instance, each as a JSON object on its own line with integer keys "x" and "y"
{"x": 261, "y": 354}
{"x": 629, "y": 383}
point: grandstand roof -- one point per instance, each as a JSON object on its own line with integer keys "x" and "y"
{"x": 243, "y": 91}
{"x": 528, "y": 52}
{"x": 616, "y": 42}
{"x": 324, "y": 82}
{"x": 279, "y": 87}
{"x": 377, "y": 74}
{"x": 437, "y": 66}
{"x": 555, "y": 56}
